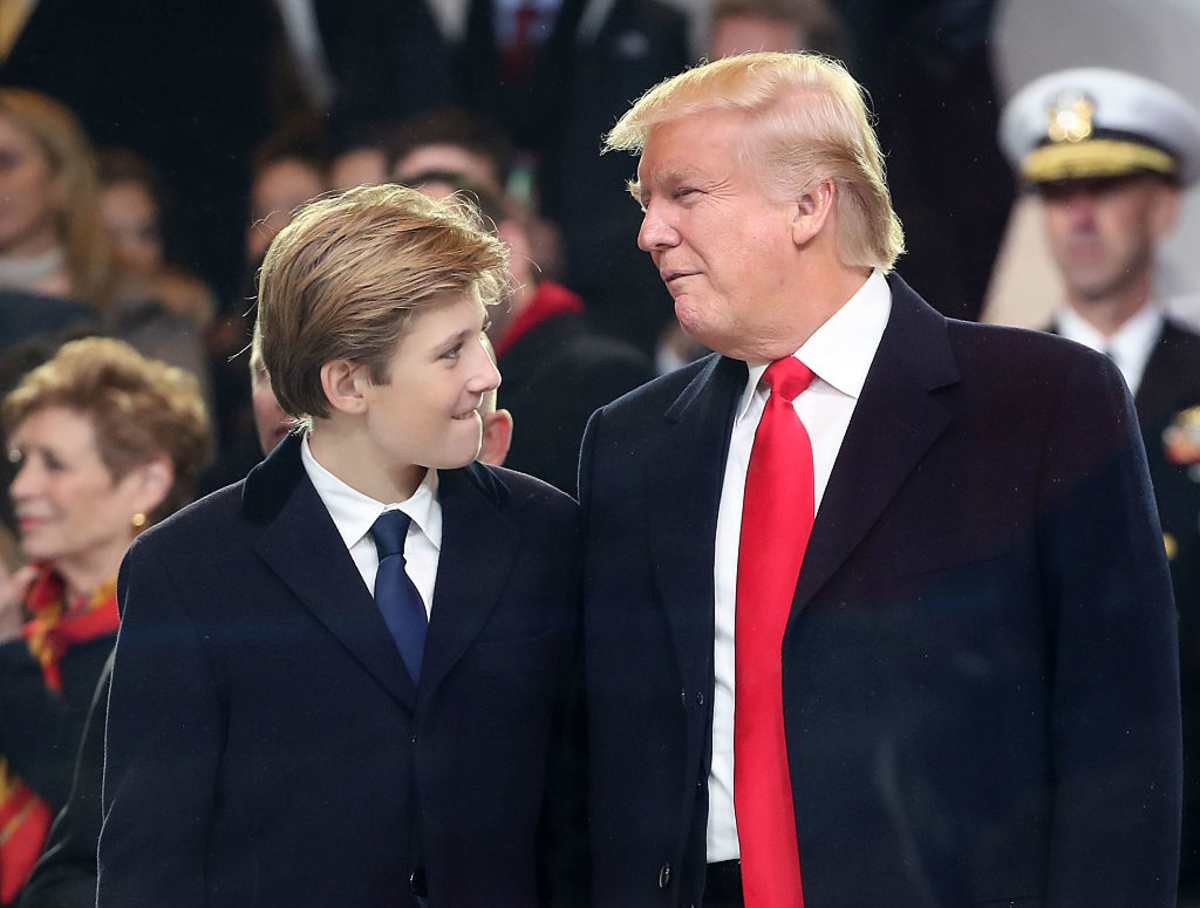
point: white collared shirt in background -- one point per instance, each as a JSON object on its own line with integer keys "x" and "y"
{"x": 303, "y": 35}
{"x": 839, "y": 353}
{"x": 1131, "y": 345}
{"x": 354, "y": 514}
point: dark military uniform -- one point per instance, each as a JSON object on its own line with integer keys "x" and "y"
{"x": 1170, "y": 384}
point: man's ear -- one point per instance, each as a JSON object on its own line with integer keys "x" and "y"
{"x": 344, "y": 384}
{"x": 497, "y": 437}
{"x": 812, "y": 211}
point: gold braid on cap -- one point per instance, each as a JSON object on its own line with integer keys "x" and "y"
{"x": 1094, "y": 158}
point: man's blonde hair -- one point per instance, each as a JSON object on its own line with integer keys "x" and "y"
{"x": 808, "y": 122}
{"x": 343, "y": 280}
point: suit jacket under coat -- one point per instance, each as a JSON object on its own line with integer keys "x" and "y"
{"x": 265, "y": 745}
{"x": 980, "y": 676}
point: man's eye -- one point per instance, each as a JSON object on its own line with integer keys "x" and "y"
{"x": 684, "y": 191}
{"x": 453, "y": 352}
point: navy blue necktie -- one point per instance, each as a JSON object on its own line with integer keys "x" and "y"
{"x": 396, "y": 596}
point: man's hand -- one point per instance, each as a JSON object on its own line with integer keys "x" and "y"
{"x": 12, "y": 593}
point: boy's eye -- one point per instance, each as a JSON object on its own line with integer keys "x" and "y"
{"x": 453, "y": 352}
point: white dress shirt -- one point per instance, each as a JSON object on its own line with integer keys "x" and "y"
{"x": 354, "y": 513}
{"x": 308, "y": 50}
{"x": 839, "y": 353}
{"x": 1131, "y": 345}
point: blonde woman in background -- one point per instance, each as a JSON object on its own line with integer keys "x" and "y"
{"x": 55, "y": 262}
{"x": 106, "y": 443}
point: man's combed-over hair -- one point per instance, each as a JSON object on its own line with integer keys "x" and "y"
{"x": 344, "y": 278}
{"x": 807, "y": 121}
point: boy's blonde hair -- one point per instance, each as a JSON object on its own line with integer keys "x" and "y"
{"x": 343, "y": 280}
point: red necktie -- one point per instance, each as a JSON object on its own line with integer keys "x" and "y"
{"x": 777, "y": 519}
{"x": 518, "y": 56}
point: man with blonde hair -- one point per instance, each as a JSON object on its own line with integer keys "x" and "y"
{"x": 876, "y": 610}
{"x": 347, "y": 680}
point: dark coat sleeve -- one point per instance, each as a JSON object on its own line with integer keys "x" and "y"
{"x": 65, "y": 876}
{"x": 162, "y": 747}
{"x": 1116, "y": 727}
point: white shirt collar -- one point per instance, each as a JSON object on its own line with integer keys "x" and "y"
{"x": 1131, "y": 345}
{"x": 354, "y": 513}
{"x": 840, "y": 352}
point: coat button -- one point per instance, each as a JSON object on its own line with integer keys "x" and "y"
{"x": 683, "y": 697}
{"x": 699, "y": 698}
{"x": 664, "y": 876}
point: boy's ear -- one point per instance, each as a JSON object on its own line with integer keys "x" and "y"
{"x": 497, "y": 437}
{"x": 344, "y": 384}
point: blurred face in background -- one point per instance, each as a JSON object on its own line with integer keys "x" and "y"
{"x": 366, "y": 166}
{"x": 131, "y": 219}
{"x": 29, "y": 194}
{"x": 68, "y": 505}
{"x": 741, "y": 33}
{"x": 1103, "y": 232}
{"x": 279, "y": 189}
{"x": 270, "y": 422}
{"x": 474, "y": 168}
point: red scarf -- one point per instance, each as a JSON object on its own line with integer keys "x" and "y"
{"x": 54, "y": 626}
{"x": 549, "y": 299}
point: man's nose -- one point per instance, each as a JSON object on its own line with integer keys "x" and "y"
{"x": 655, "y": 232}
{"x": 1082, "y": 208}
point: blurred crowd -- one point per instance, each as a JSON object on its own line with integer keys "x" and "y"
{"x": 149, "y": 153}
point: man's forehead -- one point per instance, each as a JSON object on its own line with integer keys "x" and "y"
{"x": 665, "y": 172}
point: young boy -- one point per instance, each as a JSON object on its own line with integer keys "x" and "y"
{"x": 349, "y": 680}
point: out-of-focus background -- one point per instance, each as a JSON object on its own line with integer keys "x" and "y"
{"x": 150, "y": 151}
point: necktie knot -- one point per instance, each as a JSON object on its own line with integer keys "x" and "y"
{"x": 788, "y": 377}
{"x": 389, "y": 532}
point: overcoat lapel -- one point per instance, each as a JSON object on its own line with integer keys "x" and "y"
{"x": 479, "y": 547}
{"x": 301, "y": 544}
{"x": 894, "y": 423}
{"x": 684, "y": 491}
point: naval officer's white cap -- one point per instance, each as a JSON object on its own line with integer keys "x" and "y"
{"x": 1094, "y": 123}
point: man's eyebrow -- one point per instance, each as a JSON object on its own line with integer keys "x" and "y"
{"x": 665, "y": 176}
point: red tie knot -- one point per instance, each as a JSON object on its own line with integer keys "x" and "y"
{"x": 788, "y": 377}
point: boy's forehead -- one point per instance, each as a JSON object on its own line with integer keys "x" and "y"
{"x": 448, "y": 310}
